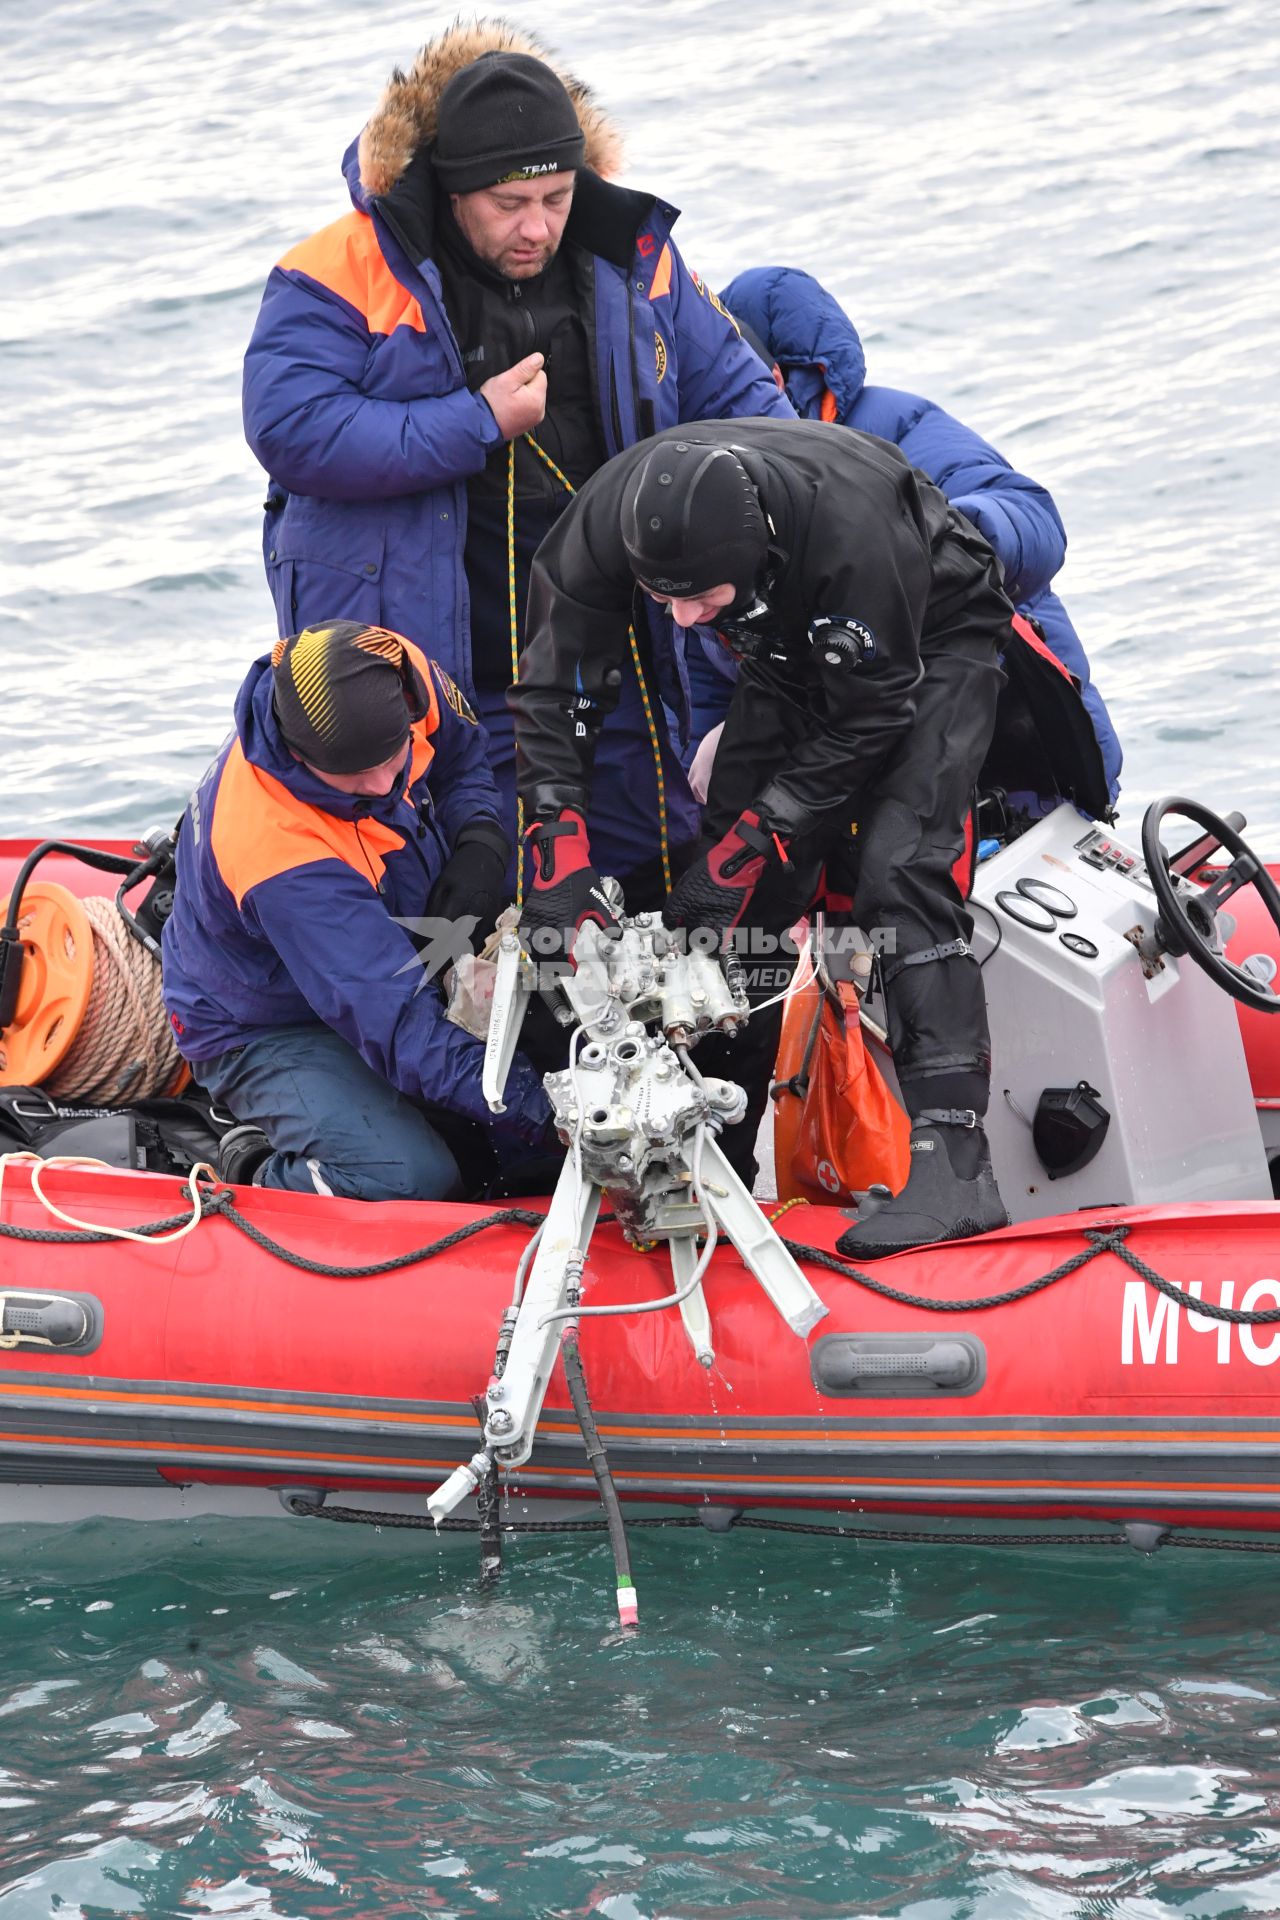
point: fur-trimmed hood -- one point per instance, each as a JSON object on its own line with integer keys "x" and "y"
{"x": 404, "y": 120}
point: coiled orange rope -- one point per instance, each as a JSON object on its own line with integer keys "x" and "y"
{"x": 125, "y": 1048}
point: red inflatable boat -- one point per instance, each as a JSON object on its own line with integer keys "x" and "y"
{"x": 1112, "y": 1356}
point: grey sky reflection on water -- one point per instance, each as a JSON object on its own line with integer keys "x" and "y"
{"x": 1060, "y": 222}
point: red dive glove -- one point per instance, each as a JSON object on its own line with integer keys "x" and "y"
{"x": 566, "y": 890}
{"x": 715, "y": 892}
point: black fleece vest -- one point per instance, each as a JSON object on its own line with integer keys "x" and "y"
{"x": 498, "y": 322}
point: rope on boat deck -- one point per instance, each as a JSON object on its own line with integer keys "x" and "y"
{"x": 1108, "y": 1239}
{"x": 218, "y": 1201}
{"x": 154, "y": 1232}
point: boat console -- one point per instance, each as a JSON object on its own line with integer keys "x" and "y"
{"x": 1118, "y": 1070}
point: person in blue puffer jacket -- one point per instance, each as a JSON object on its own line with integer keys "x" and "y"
{"x": 490, "y": 288}
{"x": 352, "y": 807}
{"x": 816, "y": 347}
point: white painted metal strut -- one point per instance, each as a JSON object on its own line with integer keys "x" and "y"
{"x": 515, "y": 1401}
{"x": 641, "y": 1124}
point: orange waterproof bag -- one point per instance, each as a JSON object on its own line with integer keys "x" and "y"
{"x": 837, "y": 1129}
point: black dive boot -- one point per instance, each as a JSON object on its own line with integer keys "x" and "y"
{"x": 937, "y": 1203}
{"x": 242, "y": 1152}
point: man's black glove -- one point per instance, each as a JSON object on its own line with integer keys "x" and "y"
{"x": 714, "y": 893}
{"x": 566, "y": 890}
{"x": 473, "y": 881}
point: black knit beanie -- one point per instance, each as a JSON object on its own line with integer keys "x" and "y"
{"x": 505, "y": 117}
{"x": 345, "y": 695}
{"x": 692, "y": 520}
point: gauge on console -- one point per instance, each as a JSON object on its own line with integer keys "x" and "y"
{"x": 1029, "y": 912}
{"x": 1060, "y": 904}
{"x": 1076, "y": 943}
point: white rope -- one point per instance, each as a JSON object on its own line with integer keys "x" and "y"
{"x": 37, "y": 1165}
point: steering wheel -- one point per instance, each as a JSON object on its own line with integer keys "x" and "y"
{"x": 1187, "y": 922}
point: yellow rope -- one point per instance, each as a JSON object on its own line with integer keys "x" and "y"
{"x": 547, "y": 461}
{"x": 654, "y": 741}
{"x": 513, "y": 614}
{"x": 663, "y": 838}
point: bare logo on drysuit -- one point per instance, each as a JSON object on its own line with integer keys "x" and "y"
{"x": 842, "y": 642}
{"x": 660, "y": 352}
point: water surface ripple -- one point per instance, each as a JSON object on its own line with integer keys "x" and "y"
{"x": 248, "y": 1719}
{"x": 1061, "y": 221}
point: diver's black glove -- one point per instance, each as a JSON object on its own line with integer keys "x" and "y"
{"x": 713, "y": 894}
{"x": 566, "y": 890}
{"x": 473, "y": 881}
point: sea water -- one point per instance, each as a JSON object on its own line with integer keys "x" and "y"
{"x": 254, "y": 1719}
{"x": 1058, "y": 218}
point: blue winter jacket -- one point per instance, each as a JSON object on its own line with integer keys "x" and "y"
{"x": 818, "y": 350}
{"x": 356, "y": 404}
{"x": 288, "y": 894}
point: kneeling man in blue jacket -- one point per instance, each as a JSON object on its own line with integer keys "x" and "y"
{"x": 352, "y": 804}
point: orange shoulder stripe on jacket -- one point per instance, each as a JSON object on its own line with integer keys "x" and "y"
{"x": 661, "y": 275}
{"x": 422, "y": 752}
{"x": 346, "y": 258}
{"x": 261, "y": 830}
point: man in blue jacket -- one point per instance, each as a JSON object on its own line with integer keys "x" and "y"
{"x": 353, "y": 801}
{"x": 429, "y": 376}
{"x": 818, "y": 352}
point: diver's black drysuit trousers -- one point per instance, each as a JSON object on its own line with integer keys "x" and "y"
{"x": 898, "y": 866}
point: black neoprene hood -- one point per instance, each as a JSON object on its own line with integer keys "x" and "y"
{"x": 692, "y": 520}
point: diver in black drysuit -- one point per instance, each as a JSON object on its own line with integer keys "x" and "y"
{"x": 868, "y": 619}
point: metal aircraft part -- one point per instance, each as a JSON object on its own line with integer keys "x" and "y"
{"x": 640, "y": 1123}
{"x": 510, "y": 998}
